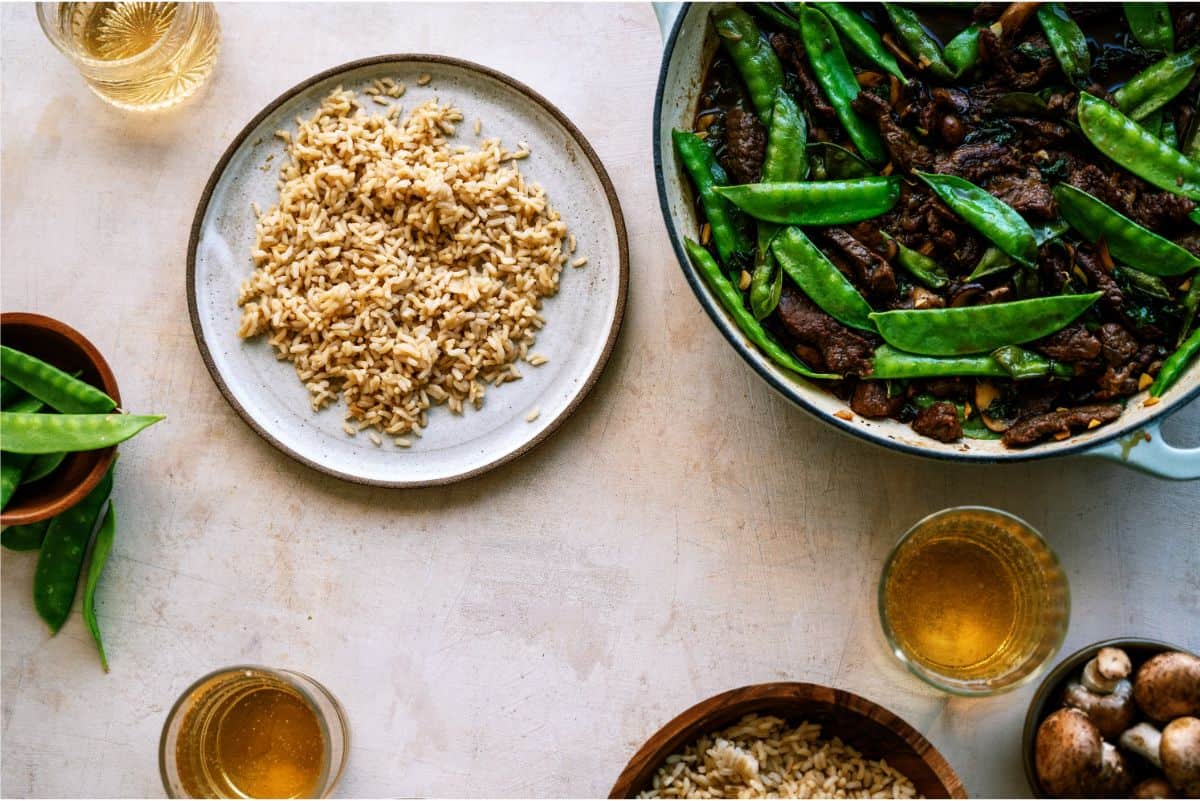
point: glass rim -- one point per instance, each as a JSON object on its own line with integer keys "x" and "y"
{"x": 932, "y": 678}
{"x": 47, "y": 14}
{"x": 333, "y": 774}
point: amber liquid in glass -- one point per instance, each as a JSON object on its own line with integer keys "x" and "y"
{"x": 969, "y": 597}
{"x": 251, "y": 736}
{"x": 151, "y": 55}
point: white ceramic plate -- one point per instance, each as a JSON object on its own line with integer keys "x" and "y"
{"x": 582, "y": 320}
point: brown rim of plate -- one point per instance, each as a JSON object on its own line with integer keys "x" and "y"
{"x": 681, "y": 729}
{"x": 103, "y": 457}
{"x": 401, "y": 58}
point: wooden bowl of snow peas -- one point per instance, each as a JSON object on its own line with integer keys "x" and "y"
{"x": 78, "y": 473}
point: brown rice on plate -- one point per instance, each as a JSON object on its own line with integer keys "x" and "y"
{"x": 399, "y": 271}
{"x": 765, "y": 757}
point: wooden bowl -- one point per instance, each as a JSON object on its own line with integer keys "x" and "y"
{"x": 1050, "y": 691}
{"x": 67, "y": 349}
{"x": 866, "y": 726}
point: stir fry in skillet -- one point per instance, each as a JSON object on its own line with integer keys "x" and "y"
{"x": 979, "y": 220}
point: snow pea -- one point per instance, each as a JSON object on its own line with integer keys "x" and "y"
{"x": 836, "y": 76}
{"x": 100, "y": 551}
{"x": 61, "y": 559}
{"x": 1169, "y": 134}
{"x": 1129, "y": 242}
{"x": 1136, "y": 149}
{"x": 1176, "y": 364}
{"x": 1158, "y": 84}
{"x": 24, "y": 538}
{"x": 1021, "y": 363}
{"x": 731, "y": 299}
{"x": 1189, "y": 305}
{"x": 766, "y": 282}
{"x": 1066, "y": 40}
{"x": 962, "y": 52}
{"x": 59, "y": 390}
{"x": 786, "y": 160}
{"x": 1145, "y": 283}
{"x": 995, "y": 260}
{"x": 815, "y": 202}
{"x": 832, "y": 162}
{"x": 979, "y": 329}
{"x": 1017, "y": 363}
{"x": 42, "y": 465}
{"x": 14, "y": 465}
{"x": 9, "y": 392}
{"x": 920, "y": 266}
{"x": 1150, "y": 24}
{"x": 817, "y": 276}
{"x": 923, "y": 47}
{"x": 701, "y": 165}
{"x": 863, "y": 36}
{"x": 753, "y": 56}
{"x": 993, "y": 218}
{"x": 51, "y": 433}
{"x": 780, "y": 18}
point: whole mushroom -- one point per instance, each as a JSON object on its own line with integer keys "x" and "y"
{"x": 1176, "y": 750}
{"x": 1104, "y": 692}
{"x": 1068, "y": 753}
{"x": 1180, "y": 754}
{"x": 1167, "y": 686}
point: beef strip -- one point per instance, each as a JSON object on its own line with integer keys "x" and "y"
{"x": 791, "y": 52}
{"x": 1118, "y": 345}
{"x": 1072, "y": 344}
{"x": 1004, "y": 62}
{"x": 1059, "y": 423}
{"x": 938, "y": 421}
{"x": 842, "y": 350}
{"x": 871, "y": 400}
{"x": 745, "y": 146}
{"x": 1026, "y": 193}
{"x": 902, "y": 146}
{"x": 872, "y": 269}
{"x": 1111, "y": 298}
{"x": 977, "y": 161}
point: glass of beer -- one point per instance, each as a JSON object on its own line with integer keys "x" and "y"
{"x": 973, "y": 601}
{"x": 254, "y": 732}
{"x": 137, "y": 56}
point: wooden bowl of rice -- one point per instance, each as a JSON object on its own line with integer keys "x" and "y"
{"x": 800, "y": 740}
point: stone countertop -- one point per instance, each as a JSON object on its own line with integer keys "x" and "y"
{"x": 520, "y": 634}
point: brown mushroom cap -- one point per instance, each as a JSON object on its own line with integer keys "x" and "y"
{"x": 1179, "y": 750}
{"x": 1152, "y": 788}
{"x": 1105, "y": 669}
{"x": 1111, "y": 713}
{"x": 1167, "y": 686}
{"x": 1068, "y": 753}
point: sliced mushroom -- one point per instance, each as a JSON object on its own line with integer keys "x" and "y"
{"x": 1167, "y": 686}
{"x": 985, "y": 393}
{"x": 1068, "y": 754}
{"x": 1179, "y": 752}
{"x": 1111, "y": 712}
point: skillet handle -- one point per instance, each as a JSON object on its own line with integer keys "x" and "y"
{"x": 1147, "y": 451}
{"x": 666, "y": 13}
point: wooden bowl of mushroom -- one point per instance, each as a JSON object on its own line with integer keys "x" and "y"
{"x": 1117, "y": 719}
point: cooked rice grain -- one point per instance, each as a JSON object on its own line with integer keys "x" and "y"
{"x": 396, "y": 271}
{"x": 764, "y": 757}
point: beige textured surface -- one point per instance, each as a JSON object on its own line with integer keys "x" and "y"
{"x": 520, "y": 634}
